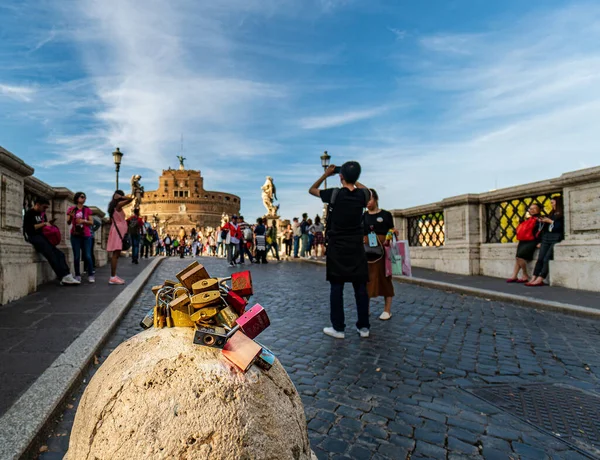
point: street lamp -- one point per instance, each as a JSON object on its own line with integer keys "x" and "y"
{"x": 117, "y": 156}
{"x": 325, "y": 162}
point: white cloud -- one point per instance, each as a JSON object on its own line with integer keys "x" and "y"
{"x": 339, "y": 119}
{"x": 21, "y": 93}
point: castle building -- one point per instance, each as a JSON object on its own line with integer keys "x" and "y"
{"x": 181, "y": 201}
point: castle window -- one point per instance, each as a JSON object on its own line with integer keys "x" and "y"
{"x": 227, "y": 198}
{"x": 186, "y": 183}
{"x": 235, "y": 200}
{"x": 206, "y": 196}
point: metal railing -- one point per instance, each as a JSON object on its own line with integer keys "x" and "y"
{"x": 426, "y": 230}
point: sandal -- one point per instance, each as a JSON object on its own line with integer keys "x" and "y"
{"x": 512, "y": 280}
{"x": 523, "y": 281}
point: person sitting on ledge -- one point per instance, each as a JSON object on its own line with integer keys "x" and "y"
{"x": 33, "y": 223}
{"x": 527, "y": 243}
{"x": 552, "y": 233}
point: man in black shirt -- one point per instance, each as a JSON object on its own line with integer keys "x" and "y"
{"x": 33, "y": 223}
{"x": 346, "y": 258}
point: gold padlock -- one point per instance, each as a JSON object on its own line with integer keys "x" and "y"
{"x": 155, "y": 289}
{"x": 192, "y": 276}
{"x": 227, "y": 317}
{"x": 187, "y": 269}
{"x": 180, "y": 302}
{"x": 206, "y": 299}
{"x": 204, "y": 314}
{"x": 201, "y": 286}
{"x": 170, "y": 283}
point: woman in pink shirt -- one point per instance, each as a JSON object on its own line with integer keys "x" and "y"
{"x": 118, "y": 229}
{"x": 80, "y": 219}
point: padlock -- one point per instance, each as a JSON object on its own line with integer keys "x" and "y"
{"x": 241, "y": 351}
{"x": 169, "y": 283}
{"x": 237, "y": 303}
{"x": 210, "y": 284}
{"x": 266, "y": 359}
{"x": 192, "y": 276}
{"x": 155, "y": 289}
{"x": 180, "y": 302}
{"x": 148, "y": 320}
{"x": 241, "y": 283}
{"x": 253, "y": 321}
{"x": 227, "y": 317}
{"x": 210, "y": 337}
{"x": 204, "y": 314}
{"x": 206, "y": 299}
{"x": 186, "y": 270}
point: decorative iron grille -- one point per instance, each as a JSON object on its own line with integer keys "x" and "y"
{"x": 426, "y": 229}
{"x": 503, "y": 218}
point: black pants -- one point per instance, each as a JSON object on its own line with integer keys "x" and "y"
{"x": 261, "y": 256}
{"x": 288, "y": 247}
{"x": 53, "y": 255}
{"x": 337, "y": 306}
{"x": 542, "y": 266}
{"x": 168, "y": 249}
{"x": 146, "y": 249}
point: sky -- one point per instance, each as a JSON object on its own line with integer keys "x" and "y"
{"x": 434, "y": 98}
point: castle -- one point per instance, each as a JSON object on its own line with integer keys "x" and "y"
{"x": 181, "y": 201}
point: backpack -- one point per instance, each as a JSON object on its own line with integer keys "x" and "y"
{"x": 334, "y": 195}
{"x": 133, "y": 226}
{"x": 224, "y": 233}
{"x": 526, "y": 231}
{"x": 248, "y": 234}
{"x": 52, "y": 234}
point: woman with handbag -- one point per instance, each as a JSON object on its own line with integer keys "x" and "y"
{"x": 377, "y": 224}
{"x": 80, "y": 219}
{"x": 118, "y": 237}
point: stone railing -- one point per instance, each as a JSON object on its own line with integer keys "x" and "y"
{"x": 22, "y": 269}
{"x": 479, "y": 230}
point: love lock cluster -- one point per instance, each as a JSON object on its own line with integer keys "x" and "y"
{"x": 217, "y": 311}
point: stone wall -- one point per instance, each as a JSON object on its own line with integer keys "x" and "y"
{"x": 22, "y": 269}
{"x": 466, "y": 251}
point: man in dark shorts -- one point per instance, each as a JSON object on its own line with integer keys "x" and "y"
{"x": 346, "y": 258}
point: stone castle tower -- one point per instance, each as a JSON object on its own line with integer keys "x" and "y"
{"x": 180, "y": 200}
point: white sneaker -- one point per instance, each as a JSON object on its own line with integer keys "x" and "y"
{"x": 385, "y": 316}
{"x": 333, "y": 333}
{"x": 91, "y": 279}
{"x": 364, "y": 332}
{"x": 78, "y": 278}
{"x": 69, "y": 280}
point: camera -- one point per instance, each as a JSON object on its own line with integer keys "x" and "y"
{"x": 337, "y": 170}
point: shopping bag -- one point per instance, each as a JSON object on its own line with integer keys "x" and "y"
{"x": 404, "y": 250}
{"x": 388, "y": 261}
{"x": 395, "y": 258}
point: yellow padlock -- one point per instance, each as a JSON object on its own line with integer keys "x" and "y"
{"x": 211, "y": 284}
{"x": 227, "y": 317}
{"x": 204, "y": 314}
{"x": 206, "y": 299}
{"x": 155, "y": 289}
{"x": 170, "y": 283}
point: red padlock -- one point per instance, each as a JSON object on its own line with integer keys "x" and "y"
{"x": 241, "y": 351}
{"x": 237, "y": 303}
{"x": 253, "y": 321}
{"x": 241, "y": 283}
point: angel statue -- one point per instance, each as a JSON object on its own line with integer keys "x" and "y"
{"x": 137, "y": 191}
{"x": 181, "y": 160}
{"x": 269, "y": 195}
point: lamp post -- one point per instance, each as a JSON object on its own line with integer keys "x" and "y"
{"x": 325, "y": 162}
{"x": 117, "y": 156}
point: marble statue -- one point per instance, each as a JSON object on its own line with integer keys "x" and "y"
{"x": 269, "y": 195}
{"x": 137, "y": 191}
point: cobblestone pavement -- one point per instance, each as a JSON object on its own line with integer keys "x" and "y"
{"x": 400, "y": 393}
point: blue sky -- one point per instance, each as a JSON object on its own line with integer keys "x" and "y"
{"x": 434, "y": 98}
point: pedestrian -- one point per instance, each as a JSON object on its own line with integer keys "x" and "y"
{"x": 304, "y": 236}
{"x": 135, "y": 228}
{"x": 272, "y": 244}
{"x": 234, "y": 235}
{"x": 260, "y": 241}
{"x": 34, "y": 222}
{"x": 529, "y": 233}
{"x": 94, "y": 229}
{"x": 247, "y": 240}
{"x": 379, "y": 222}
{"x": 288, "y": 240}
{"x": 552, "y": 233}
{"x": 147, "y": 238}
{"x": 168, "y": 241}
{"x": 221, "y": 237}
{"x": 79, "y": 217}
{"x": 346, "y": 258}
{"x": 182, "y": 242}
{"x": 118, "y": 228}
{"x": 311, "y": 237}
{"x": 318, "y": 229}
{"x": 297, "y": 235}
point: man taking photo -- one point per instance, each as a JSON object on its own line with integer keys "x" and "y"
{"x": 346, "y": 258}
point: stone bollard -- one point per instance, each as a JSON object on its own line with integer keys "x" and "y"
{"x": 159, "y": 396}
